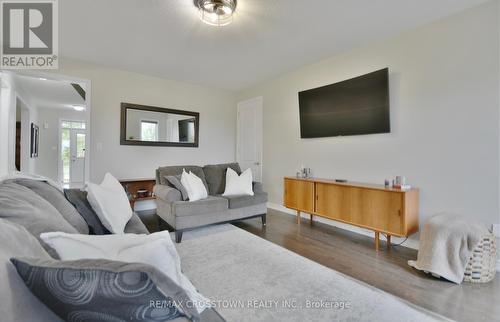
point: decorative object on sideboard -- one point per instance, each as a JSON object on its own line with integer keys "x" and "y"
{"x": 143, "y": 193}
{"x": 35, "y": 140}
{"x": 156, "y": 126}
{"x": 304, "y": 172}
{"x": 400, "y": 183}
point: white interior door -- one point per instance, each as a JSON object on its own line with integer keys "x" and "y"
{"x": 249, "y": 136}
{"x": 77, "y": 156}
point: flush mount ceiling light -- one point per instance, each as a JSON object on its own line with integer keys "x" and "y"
{"x": 78, "y": 108}
{"x": 216, "y": 12}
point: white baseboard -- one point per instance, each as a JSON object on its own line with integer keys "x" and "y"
{"x": 410, "y": 243}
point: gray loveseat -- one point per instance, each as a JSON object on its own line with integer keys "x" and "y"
{"x": 185, "y": 215}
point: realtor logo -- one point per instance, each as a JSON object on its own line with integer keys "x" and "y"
{"x": 29, "y": 34}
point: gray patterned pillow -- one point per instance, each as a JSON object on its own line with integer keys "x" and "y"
{"x": 103, "y": 290}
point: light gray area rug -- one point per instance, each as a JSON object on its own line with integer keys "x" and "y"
{"x": 251, "y": 279}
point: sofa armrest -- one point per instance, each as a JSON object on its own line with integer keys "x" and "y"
{"x": 257, "y": 187}
{"x": 166, "y": 193}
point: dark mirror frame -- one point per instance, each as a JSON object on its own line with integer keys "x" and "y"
{"x": 123, "y": 125}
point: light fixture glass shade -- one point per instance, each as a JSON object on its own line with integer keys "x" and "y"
{"x": 216, "y": 12}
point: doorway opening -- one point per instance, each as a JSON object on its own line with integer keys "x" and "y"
{"x": 57, "y": 109}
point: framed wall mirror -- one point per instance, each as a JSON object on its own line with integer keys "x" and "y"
{"x": 156, "y": 126}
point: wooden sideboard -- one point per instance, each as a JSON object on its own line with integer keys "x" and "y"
{"x": 390, "y": 211}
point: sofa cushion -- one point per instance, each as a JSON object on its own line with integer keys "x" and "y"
{"x": 199, "y": 207}
{"x": 162, "y": 172}
{"x": 167, "y": 193}
{"x": 215, "y": 176}
{"x": 135, "y": 226}
{"x": 16, "y": 301}
{"x": 56, "y": 198}
{"x": 22, "y": 206}
{"x": 175, "y": 182}
{"x": 79, "y": 199}
{"x": 246, "y": 200}
{"x": 104, "y": 290}
{"x": 111, "y": 203}
{"x": 157, "y": 250}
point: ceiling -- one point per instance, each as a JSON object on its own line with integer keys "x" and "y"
{"x": 165, "y": 38}
{"x": 48, "y": 93}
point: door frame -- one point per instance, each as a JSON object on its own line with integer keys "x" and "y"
{"x": 261, "y": 100}
{"x": 59, "y": 140}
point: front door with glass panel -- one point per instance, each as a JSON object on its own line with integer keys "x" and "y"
{"x": 73, "y": 142}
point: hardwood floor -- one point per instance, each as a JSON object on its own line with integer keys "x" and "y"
{"x": 353, "y": 255}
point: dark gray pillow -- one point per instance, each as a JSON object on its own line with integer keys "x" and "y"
{"x": 103, "y": 290}
{"x": 56, "y": 198}
{"x": 22, "y": 206}
{"x": 215, "y": 174}
{"x": 175, "y": 181}
{"x": 79, "y": 199}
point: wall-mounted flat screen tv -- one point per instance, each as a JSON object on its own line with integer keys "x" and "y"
{"x": 352, "y": 107}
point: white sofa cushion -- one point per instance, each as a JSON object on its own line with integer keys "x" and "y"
{"x": 110, "y": 203}
{"x": 194, "y": 186}
{"x": 238, "y": 185}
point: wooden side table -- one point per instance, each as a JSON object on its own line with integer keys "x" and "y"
{"x": 132, "y": 186}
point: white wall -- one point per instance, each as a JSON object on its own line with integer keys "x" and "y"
{"x": 444, "y": 84}
{"x": 11, "y": 95}
{"x": 110, "y": 87}
{"x": 48, "y": 154}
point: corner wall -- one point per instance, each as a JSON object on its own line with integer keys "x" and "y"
{"x": 444, "y": 84}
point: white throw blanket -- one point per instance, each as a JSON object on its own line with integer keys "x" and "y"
{"x": 446, "y": 245}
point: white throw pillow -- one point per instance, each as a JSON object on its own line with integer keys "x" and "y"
{"x": 110, "y": 203}
{"x": 195, "y": 188}
{"x": 238, "y": 185}
{"x": 156, "y": 249}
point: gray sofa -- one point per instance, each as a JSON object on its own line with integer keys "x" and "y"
{"x": 27, "y": 209}
{"x": 185, "y": 215}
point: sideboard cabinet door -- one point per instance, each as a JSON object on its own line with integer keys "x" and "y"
{"x": 299, "y": 195}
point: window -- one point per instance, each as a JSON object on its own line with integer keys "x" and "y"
{"x": 73, "y": 125}
{"x": 80, "y": 145}
{"x": 149, "y": 131}
{"x": 65, "y": 153}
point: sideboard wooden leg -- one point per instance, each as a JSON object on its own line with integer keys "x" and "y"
{"x": 377, "y": 240}
{"x": 298, "y": 217}
{"x": 388, "y": 241}
{"x": 311, "y": 217}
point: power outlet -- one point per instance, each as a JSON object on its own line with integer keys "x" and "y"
{"x": 496, "y": 230}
